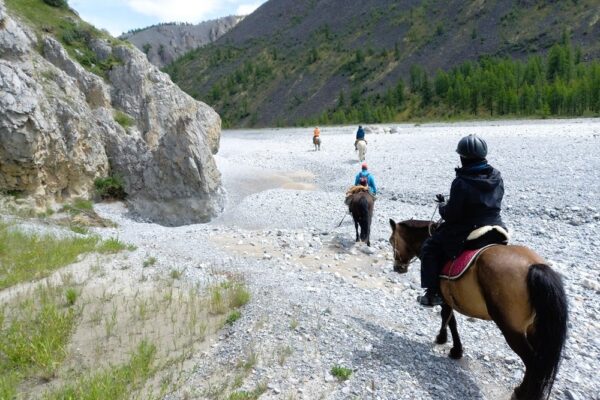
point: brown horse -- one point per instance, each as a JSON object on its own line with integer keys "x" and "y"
{"x": 510, "y": 285}
{"x": 361, "y": 205}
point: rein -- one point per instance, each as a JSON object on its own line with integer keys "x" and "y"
{"x": 431, "y": 219}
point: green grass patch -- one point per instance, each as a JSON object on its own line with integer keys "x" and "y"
{"x": 175, "y": 274}
{"x": 78, "y": 206}
{"x": 114, "y": 383}
{"x": 114, "y": 245}
{"x": 71, "y": 295}
{"x": 26, "y": 256}
{"x": 123, "y": 119}
{"x": 248, "y": 395}
{"x": 149, "y": 262}
{"x": 65, "y": 25}
{"x": 82, "y": 230}
{"x": 233, "y": 316}
{"x": 227, "y": 295}
{"x": 33, "y": 338}
{"x": 341, "y": 373}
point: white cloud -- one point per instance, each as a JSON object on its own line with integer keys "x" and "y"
{"x": 175, "y": 10}
{"x": 246, "y": 9}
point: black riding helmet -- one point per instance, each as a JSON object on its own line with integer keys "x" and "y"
{"x": 472, "y": 146}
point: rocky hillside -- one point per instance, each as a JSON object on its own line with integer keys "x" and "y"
{"x": 77, "y": 105}
{"x": 292, "y": 59}
{"x": 165, "y": 42}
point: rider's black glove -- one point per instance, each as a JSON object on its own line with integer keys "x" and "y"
{"x": 440, "y": 198}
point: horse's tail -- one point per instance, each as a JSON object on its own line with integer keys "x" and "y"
{"x": 547, "y": 296}
{"x": 363, "y": 217}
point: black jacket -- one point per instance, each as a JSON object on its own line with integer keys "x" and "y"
{"x": 475, "y": 201}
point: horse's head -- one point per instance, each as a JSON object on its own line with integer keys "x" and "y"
{"x": 406, "y": 242}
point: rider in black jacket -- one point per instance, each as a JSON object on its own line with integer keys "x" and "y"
{"x": 475, "y": 201}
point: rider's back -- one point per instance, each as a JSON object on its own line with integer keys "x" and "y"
{"x": 475, "y": 197}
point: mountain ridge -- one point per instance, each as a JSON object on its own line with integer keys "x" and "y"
{"x": 291, "y": 60}
{"x": 163, "y": 43}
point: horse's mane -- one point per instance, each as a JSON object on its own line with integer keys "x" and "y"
{"x": 415, "y": 223}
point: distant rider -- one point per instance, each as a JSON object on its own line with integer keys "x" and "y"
{"x": 364, "y": 178}
{"x": 475, "y": 201}
{"x": 316, "y": 133}
{"x": 360, "y": 135}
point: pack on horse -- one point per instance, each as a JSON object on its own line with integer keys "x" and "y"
{"x": 360, "y": 203}
{"x": 510, "y": 285}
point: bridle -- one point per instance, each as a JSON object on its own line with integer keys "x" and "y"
{"x": 412, "y": 259}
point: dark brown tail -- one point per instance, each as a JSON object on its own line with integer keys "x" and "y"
{"x": 547, "y": 296}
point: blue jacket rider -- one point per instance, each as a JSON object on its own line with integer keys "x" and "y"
{"x": 366, "y": 175}
{"x": 360, "y": 134}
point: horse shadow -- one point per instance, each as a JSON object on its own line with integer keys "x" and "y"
{"x": 352, "y": 161}
{"x": 439, "y": 376}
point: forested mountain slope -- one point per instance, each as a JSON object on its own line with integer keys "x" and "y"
{"x": 295, "y": 61}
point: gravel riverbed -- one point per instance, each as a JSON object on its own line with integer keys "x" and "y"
{"x": 320, "y": 300}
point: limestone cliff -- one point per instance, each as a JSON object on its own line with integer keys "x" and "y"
{"x": 58, "y": 131}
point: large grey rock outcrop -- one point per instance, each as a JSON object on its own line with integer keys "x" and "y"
{"x": 58, "y": 131}
{"x": 166, "y": 42}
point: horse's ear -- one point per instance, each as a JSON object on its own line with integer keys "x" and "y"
{"x": 393, "y": 224}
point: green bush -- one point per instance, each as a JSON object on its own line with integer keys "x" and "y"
{"x": 57, "y": 3}
{"x": 232, "y": 317}
{"x": 341, "y": 373}
{"x": 110, "y": 187}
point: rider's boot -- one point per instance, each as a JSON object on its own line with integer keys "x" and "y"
{"x": 432, "y": 297}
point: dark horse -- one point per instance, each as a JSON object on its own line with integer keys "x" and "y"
{"x": 510, "y": 285}
{"x": 361, "y": 206}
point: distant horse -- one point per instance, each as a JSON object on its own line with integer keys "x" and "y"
{"x": 361, "y": 205}
{"x": 361, "y": 146}
{"x": 317, "y": 142}
{"x": 510, "y": 285}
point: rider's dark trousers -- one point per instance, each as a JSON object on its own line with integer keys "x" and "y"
{"x": 433, "y": 257}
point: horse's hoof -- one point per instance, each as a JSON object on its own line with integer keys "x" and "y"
{"x": 456, "y": 353}
{"x": 441, "y": 338}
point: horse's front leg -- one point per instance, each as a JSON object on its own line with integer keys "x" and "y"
{"x": 356, "y": 228}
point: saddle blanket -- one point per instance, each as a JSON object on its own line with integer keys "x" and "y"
{"x": 454, "y": 269}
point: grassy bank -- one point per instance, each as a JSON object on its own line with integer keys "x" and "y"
{"x": 26, "y": 256}
{"x": 110, "y": 334}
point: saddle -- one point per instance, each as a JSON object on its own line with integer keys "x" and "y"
{"x": 477, "y": 241}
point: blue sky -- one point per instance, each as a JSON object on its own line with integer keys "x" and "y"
{"x": 118, "y": 16}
